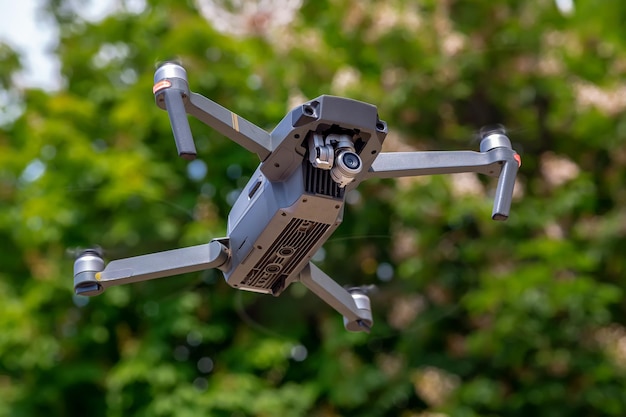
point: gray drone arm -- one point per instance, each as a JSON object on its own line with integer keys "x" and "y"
{"x": 91, "y": 277}
{"x": 353, "y": 305}
{"x": 496, "y": 159}
{"x": 171, "y": 93}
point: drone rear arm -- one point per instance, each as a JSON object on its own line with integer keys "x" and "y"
{"x": 353, "y": 305}
{"x": 91, "y": 277}
{"x": 229, "y": 124}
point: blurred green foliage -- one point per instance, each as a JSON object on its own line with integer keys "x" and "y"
{"x": 473, "y": 317}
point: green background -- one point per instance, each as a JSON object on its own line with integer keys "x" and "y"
{"x": 478, "y": 318}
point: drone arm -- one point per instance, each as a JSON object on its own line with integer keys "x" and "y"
{"x": 354, "y": 306}
{"x": 92, "y": 278}
{"x": 229, "y": 124}
{"x": 504, "y": 190}
{"x": 501, "y": 162}
{"x": 180, "y": 125}
{"x": 412, "y": 164}
{"x": 172, "y": 94}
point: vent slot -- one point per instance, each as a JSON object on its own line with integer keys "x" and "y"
{"x": 288, "y": 250}
{"x": 319, "y": 181}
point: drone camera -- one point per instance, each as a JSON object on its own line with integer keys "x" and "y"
{"x": 347, "y": 166}
{"x": 348, "y": 163}
{"x": 335, "y": 153}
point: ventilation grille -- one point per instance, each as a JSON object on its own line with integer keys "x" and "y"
{"x": 319, "y": 181}
{"x": 287, "y": 251}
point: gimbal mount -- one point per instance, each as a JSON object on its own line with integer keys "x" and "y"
{"x": 295, "y": 199}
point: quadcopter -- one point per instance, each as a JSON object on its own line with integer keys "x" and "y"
{"x": 295, "y": 199}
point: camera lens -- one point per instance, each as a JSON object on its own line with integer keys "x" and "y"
{"x": 347, "y": 167}
{"x": 351, "y": 160}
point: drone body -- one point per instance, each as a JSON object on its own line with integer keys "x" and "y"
{"x": 293, "y": 202}
{"x": 295, "y": 199}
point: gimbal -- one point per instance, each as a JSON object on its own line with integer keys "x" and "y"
{"x": 295, "y": 199}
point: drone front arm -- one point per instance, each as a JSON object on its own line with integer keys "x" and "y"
{"x": 91, "y": 277}
{"x": 229, "y": 124}
{"x": 171, "y": 92}
{"x": 412, "y": 164}
{"x": 354, "y": 306}
{"x": 501, "y": 161}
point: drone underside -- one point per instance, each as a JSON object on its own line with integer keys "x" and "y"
{"x": 294, "y": 201}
